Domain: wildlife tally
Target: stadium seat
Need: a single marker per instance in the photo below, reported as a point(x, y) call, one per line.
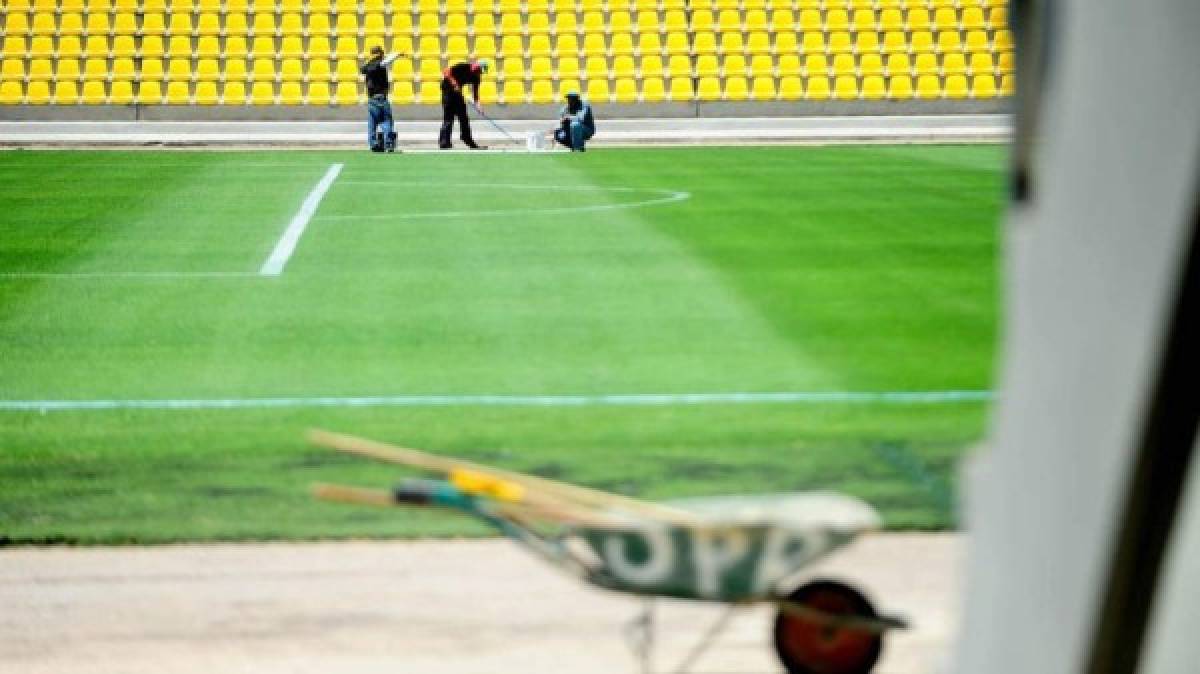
point(681, 66)
point(1005, 63)
point(1008, 85)
point(625, 90)
point(1003, 41)
point(235, 47)
point(815, 64)
point(956, 87)
point(899, 64)
point(347, 93)
point(928, 87)
point(945, 18)
point(677, 43)
point(262, 93)
point(705, 43)
point(542, 91)
point(290, 93)
point(11, 92)
point(900, 87)
point(947, 41)
point(972, 18)
point(37, 93)
point(997, 18)
point(206, 94)
point(151, 70)
point(149, 93)
point(95, 70)
point(874, 88)
point(925, 64)
point(121, 93)
point(836, 20)
point(870, 64)
point(790, 88)
point(709, 89)
point(291, 47)
point(123, 69)
point(653, 90)
point(813, 43)
point(736, 89)
point(817, 88)
point(922, 41)
point(845, 88)
point(734, 65)
point(597, 90)
point(983, 86)
point(763, 89)
point(291, 70)
point(682, 90)
point(891, 19)
point(954, 63)
point(982, 63)
point(843, 64)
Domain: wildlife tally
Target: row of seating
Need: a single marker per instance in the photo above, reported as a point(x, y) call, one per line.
point(508, 23)
point(624, 90)
point(477, 6)
point(760, 42)
point(346, 70)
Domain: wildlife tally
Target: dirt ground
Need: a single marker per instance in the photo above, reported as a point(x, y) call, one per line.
point(453, 607)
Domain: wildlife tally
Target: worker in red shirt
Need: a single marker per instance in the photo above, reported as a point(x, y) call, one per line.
point(454, 104)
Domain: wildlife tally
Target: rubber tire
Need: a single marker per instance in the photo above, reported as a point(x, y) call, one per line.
point(806, 647)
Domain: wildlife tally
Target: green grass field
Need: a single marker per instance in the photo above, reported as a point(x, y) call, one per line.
point(134, 276)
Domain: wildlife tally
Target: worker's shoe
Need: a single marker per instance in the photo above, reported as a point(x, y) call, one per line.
point(390, 146)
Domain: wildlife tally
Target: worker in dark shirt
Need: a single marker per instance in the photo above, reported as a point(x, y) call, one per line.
point(577, 124)
point(454, 104)
point(380, 135)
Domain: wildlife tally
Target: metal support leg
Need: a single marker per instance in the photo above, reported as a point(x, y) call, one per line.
point(639, 634)
point(705, 641)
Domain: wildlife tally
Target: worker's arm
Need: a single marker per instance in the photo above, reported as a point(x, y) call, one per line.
point(449, 74)
point(387, 60)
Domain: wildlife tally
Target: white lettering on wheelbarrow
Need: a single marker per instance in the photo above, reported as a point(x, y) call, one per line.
point(714, 553)
point(660, 558)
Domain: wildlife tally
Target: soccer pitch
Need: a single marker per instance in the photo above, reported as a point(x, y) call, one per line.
point(516, 309)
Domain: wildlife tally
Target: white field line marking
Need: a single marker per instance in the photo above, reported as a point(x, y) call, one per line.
point(487, 400)
point(127, 274)
point(291, 236)
point(669, 196)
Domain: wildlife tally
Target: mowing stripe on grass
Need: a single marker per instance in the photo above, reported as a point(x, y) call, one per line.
point(291, 236)
point(487, 400)
point(126, 274)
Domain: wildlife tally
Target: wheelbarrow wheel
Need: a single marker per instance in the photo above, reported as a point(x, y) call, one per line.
point(807, 645)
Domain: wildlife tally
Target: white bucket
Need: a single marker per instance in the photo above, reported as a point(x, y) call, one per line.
point(537, 141)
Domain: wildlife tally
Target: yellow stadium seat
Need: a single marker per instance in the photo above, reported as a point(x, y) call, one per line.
point(1003, 41)
point(123, 69)
point(262, 93)
point(430, 46)
point(235, 47)
point(651, 66)
point(593, 22)
point(789, 64)
point(402, 93)
point(44, 24)
point(291, 70)
point(208, 5)
point(542, 92)
point(1005, 63)
point(622, 43)
point(457, 24)
point(954, 63)
point(729, 20)
point(596, 67)
point(977, 41)
point(568, 66)
point(208, 24)
point(623, 66)
point(594, 43)
point(1008, 85)
point(291, 46)
point(207, 70)
point(983, 86)
point(208, 47)
point(922, 41)
point(681, 89)
point(947, 41)
point(845, 88)
point(925, 64)
point(956, 87)
point(179, 70)
point(736, 89)
point(763, 89)
point(67, 69)
point(513, 68)
point(263, 70)
point(181, 24)
point(564, 22)
point(538, 24)
point(318, 70)
point(96, 45)
point(233, 93)
point(347, 93)
point(928, 87)
point(731, 43)
point(178, 94)
point(891, 19)
point(918, 19)
point(734, 65)
point(289, 24)
point(566, 86)
point(817, 88)
point(647, 21)
point(339, 6)
point(179, 46)
point(37, 93)
point(681, 66)
point(677, 43)
point(510, 23)
point(843, 64)
point(709, 89)
point(837, 20)
point(12, 69)
point(997, 18)
point(761, 65)
point(785, 43)
point(702, 20)
point(810, 21)
point(154, 24)
point(564, 45)
point(235, 24)
point(402, 24)
point(898, 64)
point(815, 64)
point(123, 46)
point(97, 24)
point(290, 93)
point(758, 43)
point(982, 64)
point(782, 19)
point(430, 70)
point(235, 69)
point(69, 47)
point(539, 45)
point(619, 22)
point(756, 19)
point(95, 69)
point(456, 48)
point(625, 91)
point(16, 23)
point(38, 46)
point(121, 93)
point(813, 43)
point(653, 90)
point(873, 88)
point(345, 26)
point(945, 18)
point(790, 88)
point(870, 64)
point(401, 44)
point(972, 18)
point(346, 70)
point(41, 69)
point(152, 69)
point(864, 20)
point(501, 5)
point(206, 93)
point(900, 88)
point(149, 93)
point(94, 94)
point(597, 90)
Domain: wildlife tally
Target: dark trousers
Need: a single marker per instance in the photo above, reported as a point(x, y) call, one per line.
point(379, 116)
point(454, 105)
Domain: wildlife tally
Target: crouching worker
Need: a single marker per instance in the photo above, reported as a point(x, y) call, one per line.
point(380, 135)
point(578, 125)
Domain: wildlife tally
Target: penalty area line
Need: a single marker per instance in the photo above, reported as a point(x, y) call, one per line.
point(496, 400)
point(291, 236)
